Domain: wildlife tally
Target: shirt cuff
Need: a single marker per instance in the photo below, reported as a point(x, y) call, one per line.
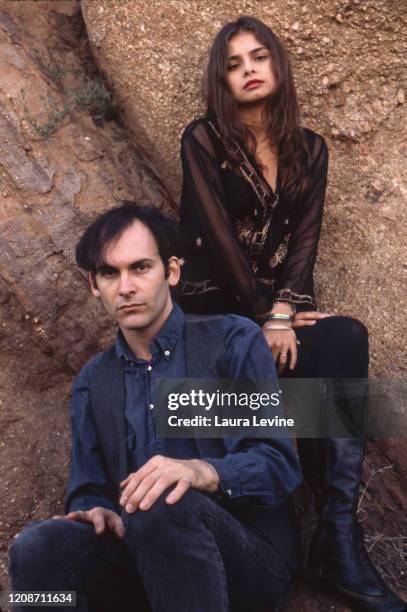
point(229, 479)
point(88, 502)
point(287, 295)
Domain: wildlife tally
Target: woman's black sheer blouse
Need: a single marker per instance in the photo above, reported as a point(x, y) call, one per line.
point(245, 246)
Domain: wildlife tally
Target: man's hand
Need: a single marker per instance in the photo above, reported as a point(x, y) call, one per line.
point(308, 317)
point(101, 518)
point(142, 488)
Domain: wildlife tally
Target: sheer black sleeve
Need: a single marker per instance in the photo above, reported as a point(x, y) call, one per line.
point(296, 280)
point(207, 226)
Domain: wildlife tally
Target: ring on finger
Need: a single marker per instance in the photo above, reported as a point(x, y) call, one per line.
point(283, 354)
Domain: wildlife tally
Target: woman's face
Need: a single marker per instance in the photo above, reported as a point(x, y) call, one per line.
point(249, 69)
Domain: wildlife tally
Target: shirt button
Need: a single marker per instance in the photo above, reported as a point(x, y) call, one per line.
point(149, 368)
point(151, 406)
point(167, 353)
point(229, 492)
point(286, 221)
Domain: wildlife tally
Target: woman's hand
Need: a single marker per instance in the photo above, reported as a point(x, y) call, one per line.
point(304, 319)
point(283, 345)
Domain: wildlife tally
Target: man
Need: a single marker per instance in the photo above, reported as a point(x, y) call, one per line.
point(203, 524)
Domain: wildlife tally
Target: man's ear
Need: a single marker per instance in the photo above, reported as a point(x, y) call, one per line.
point(93, 284)
point(174, 270)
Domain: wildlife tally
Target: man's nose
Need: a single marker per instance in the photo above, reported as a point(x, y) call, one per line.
point(127, 285)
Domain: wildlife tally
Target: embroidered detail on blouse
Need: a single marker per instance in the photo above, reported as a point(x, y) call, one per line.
point(248, 172)
point(252, 239)
point(253, 232)
point(250, 175)
point(280, 253)
point(197, 287)
point(286, 295)
point(267, 281)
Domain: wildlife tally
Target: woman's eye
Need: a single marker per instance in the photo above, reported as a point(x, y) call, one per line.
point(262, 57)
point(233, 66)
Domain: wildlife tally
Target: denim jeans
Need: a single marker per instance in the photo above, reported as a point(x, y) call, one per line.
point(193, 556)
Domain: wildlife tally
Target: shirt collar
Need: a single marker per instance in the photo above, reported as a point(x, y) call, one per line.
point(163, 342)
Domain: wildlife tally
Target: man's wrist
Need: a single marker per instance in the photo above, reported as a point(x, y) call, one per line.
point(211, 477)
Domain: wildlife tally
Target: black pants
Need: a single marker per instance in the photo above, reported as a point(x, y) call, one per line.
point(336, 347)
point(193, 556)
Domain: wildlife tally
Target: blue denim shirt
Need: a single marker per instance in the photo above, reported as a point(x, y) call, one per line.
point(265, 468)
point(167, 361)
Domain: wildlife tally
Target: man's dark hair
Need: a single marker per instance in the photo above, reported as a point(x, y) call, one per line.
point(109, 226)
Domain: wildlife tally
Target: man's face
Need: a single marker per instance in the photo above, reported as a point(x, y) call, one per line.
point(131, 282)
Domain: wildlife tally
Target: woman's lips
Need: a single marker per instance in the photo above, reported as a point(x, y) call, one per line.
point(252, 84)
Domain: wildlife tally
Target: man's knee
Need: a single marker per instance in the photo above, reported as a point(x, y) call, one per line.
point(158, 522)
point(42, 544)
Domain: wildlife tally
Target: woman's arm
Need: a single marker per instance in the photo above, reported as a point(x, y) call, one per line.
point(296, 281)
point(296, 288)
point(203, 199)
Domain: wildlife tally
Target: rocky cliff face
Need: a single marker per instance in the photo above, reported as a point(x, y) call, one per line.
point(73, 143)
point(64, 155)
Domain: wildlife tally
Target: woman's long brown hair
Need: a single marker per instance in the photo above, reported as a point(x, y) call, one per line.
point(282, 113)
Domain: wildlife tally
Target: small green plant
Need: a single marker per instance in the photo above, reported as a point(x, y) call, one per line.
point(55, 116)
point(49, 69)
point(95, 97)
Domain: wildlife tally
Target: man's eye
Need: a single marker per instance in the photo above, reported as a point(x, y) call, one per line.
point(108, 272)
point(142, 267)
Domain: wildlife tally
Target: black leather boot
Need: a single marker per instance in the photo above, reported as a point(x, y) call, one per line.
point(338, 559)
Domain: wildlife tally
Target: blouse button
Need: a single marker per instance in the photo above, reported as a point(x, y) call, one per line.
point(286, 221)
point(198, 241)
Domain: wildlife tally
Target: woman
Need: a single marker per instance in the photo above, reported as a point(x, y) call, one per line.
point(251, 209)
